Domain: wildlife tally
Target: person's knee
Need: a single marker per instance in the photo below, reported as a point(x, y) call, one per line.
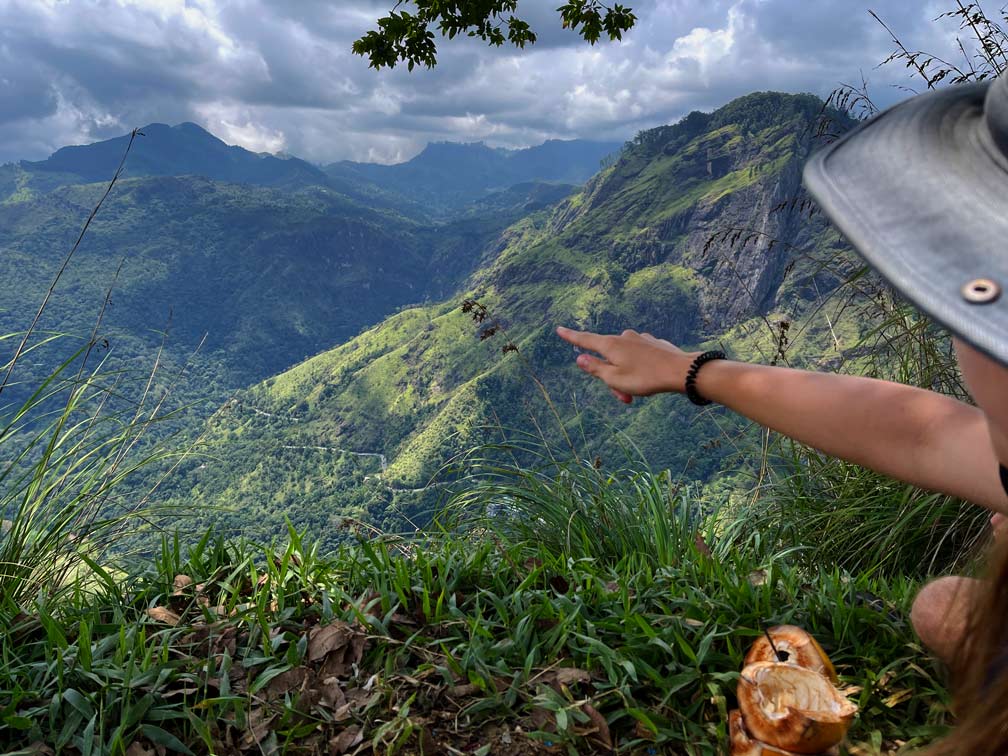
point(940, 614)
point(926, 614)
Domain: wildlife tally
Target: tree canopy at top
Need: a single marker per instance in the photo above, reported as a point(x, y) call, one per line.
point(405, 37)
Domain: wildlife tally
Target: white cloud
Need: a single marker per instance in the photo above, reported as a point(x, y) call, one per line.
point(235, 125)
point(276, 75)
point(706, 47)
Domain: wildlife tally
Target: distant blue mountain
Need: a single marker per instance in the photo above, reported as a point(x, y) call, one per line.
point(185, 149)
point(454, 175)
point(444, 180)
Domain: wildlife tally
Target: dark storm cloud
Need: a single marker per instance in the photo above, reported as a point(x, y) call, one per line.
point(279, 76)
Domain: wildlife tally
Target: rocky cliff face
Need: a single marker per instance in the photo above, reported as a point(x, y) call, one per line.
point(730, 176)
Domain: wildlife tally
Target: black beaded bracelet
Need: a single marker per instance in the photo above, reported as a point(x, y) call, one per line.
point(691, 375)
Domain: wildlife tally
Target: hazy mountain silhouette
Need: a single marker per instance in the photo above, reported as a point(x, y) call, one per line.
point(176, 151)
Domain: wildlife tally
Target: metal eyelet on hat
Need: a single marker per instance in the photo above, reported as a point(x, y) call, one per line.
point(981, 291)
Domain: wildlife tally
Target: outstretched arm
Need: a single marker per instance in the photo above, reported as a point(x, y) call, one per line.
point(916, 436)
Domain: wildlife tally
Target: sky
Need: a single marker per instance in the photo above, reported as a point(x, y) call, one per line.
point(278, 75)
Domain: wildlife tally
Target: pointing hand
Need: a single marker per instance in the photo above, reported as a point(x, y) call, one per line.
point(631, 364)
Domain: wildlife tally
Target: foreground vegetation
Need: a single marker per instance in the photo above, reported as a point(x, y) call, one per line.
point(453, 644)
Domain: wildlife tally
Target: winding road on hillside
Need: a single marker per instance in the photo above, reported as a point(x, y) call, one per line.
point(382, 459)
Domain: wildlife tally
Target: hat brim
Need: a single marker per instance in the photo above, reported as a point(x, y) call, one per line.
point(921, 192)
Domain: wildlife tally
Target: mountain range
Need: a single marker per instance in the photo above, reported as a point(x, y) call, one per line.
point(697, 232)
point(340, 372)
point(264, 256)
point(443, 180)
point(448, 175)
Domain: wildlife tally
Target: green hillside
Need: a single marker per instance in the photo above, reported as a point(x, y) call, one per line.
point(268, 275)
point(365, 429)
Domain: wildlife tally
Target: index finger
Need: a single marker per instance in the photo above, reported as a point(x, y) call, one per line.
point(583, 339)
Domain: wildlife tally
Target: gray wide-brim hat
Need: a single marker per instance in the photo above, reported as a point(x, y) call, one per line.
point(921, 191)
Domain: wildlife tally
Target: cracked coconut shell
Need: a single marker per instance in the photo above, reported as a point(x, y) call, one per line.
point(744, 744)
point(792, 708)
point(795, 646)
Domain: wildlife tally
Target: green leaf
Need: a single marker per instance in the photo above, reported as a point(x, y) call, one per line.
point(79, 702)
point(84, 645)
point(17, 722)
point(156, 735)
point(87, 737)
point(562, 720)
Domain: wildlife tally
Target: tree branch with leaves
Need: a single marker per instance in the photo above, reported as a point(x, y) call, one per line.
point(406, 34)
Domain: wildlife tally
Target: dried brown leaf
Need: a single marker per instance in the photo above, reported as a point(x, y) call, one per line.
point(357, 646)
point(287, 682)
point(331, 694)
point(239, 678)
point(339, 662)
point(259, 723)
point(324, 639)
point(897, 698)
point(559, 583)
point(701, 544)
point(570, 675)
point(181, 583)
point(643, 732)
point(543, 719)
point(166, 616)
point(564, 677)
point(349, 738)
point(359, 699)
point(602, 734)
point(215, 638)
point(428, 745)
point(184, 690)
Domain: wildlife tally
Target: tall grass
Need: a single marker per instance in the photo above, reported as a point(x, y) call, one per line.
point(575, 509)
point(66, 449)
point(834, 512)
